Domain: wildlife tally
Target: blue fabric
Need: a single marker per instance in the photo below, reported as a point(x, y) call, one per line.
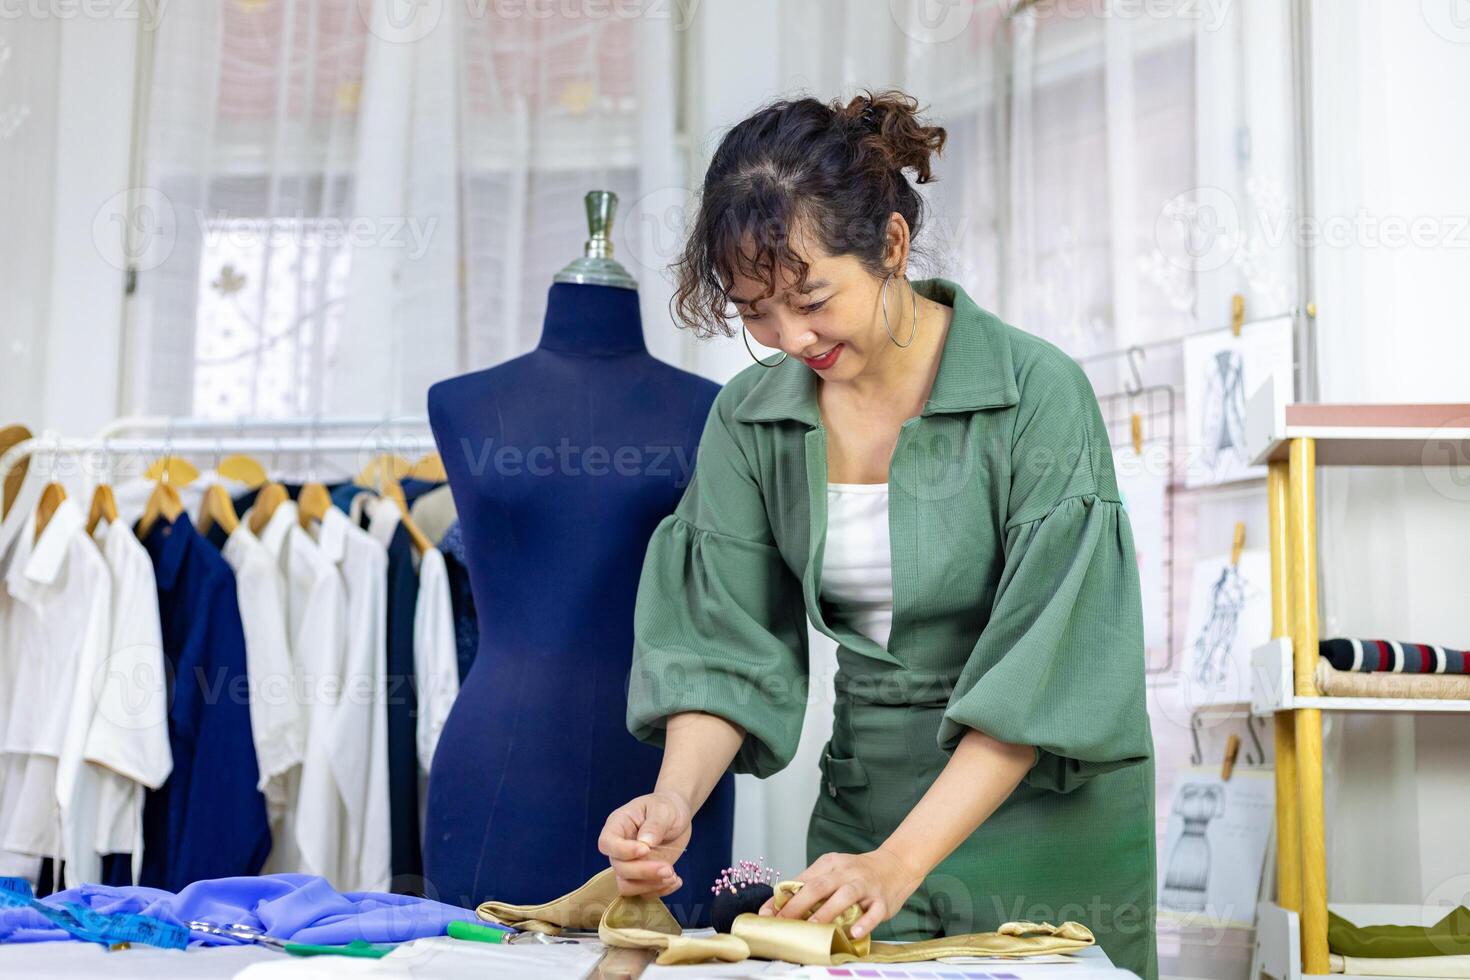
point(461, 600)
point(407, 860)
point(562, 462)
point(84, 923)
point(207, 820)
point(296, 907)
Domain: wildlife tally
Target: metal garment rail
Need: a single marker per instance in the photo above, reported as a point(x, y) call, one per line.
point(240, 426)
point(379, 434)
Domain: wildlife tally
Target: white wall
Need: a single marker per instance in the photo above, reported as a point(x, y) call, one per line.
point(1392, 136)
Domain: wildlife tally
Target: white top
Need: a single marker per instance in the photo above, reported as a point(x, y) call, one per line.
point(277, 722)
point(857, 569)
point(359, 744)
point(435, 657)
point(56, 638)
point(435, 660)
point(127, 743)
point(316, 620)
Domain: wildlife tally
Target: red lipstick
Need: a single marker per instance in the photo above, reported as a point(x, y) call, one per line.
point(825, 361)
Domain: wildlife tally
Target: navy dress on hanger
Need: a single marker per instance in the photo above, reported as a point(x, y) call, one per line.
point(561, 463)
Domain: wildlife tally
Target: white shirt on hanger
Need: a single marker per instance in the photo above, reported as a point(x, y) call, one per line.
point(435, 657)
point(308, 836)
point(58, 637)
point(359, 747)
point(306, 633)
point(12, 767)
point(277, 722)
point(128, 740)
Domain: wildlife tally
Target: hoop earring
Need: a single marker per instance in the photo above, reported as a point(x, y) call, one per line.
point(914, 297)
point(745, 337)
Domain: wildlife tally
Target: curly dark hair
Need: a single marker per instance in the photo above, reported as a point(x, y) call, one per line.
point(834, 170)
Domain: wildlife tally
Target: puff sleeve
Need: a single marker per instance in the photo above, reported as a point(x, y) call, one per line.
point(1060, 663)
point(720, 623)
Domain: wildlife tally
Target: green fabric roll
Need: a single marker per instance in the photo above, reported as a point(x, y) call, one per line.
point(1448, 936)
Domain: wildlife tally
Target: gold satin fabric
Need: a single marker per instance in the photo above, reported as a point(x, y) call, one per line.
point(644, 922)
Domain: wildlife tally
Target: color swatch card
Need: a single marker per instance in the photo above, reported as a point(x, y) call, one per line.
point(1030, 968)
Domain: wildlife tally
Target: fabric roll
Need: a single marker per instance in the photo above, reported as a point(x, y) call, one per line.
point(1449, 936)
point(644, 922)
point(1394, 656)
point(1335, 683)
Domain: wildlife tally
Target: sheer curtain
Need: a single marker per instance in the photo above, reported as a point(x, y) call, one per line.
point(29, 49)
point(364, 197)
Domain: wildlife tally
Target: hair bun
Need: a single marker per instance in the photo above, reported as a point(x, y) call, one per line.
point(889, 131)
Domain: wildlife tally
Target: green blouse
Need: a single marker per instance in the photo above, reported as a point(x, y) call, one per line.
point(1015, 586)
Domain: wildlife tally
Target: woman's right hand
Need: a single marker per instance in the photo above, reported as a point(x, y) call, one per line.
point(643, 838)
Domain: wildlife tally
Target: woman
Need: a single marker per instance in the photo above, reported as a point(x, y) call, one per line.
point(932, 488)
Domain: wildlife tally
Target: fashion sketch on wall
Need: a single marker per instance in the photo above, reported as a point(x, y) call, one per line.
point(1215, 850)
point(1229, 616)
point(1221, 372)
point(1187, 876)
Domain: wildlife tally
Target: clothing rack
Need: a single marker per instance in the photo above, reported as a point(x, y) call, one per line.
point(168, 424)
point(382, 435)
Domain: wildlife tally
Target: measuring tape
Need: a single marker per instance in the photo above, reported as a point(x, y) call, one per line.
point(95, 927)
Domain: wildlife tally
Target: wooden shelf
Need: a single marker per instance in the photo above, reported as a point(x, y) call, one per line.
point(1273, 690)
point(1352, 434)
point(1293, 440)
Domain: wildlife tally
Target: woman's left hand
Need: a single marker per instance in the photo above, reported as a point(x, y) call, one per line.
point(877, 881)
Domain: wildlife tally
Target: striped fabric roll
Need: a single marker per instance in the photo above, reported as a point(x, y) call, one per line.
point(1393, 656)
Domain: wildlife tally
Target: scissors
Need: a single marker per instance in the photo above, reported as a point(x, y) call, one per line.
point(237, 930)
point(250, 934)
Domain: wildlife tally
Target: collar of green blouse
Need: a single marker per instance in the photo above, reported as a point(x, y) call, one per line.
point(975, 368)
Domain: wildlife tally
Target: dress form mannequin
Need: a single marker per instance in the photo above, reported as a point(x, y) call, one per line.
point(561, 463)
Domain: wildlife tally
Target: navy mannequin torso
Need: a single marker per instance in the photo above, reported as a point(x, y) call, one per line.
point(561, 463)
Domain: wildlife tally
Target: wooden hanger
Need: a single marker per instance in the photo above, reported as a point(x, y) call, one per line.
point(217, 508)
point(430, 468)
point(171, 469)
point(312, 503)
point(383, 467)
point(13, 435)
point(51, 498)
point(163, 503)
point(246, 469)
point(104, 508)
point(271, 496)
point(393, 490)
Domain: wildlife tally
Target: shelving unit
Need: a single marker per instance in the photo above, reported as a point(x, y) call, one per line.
point(1292, 440)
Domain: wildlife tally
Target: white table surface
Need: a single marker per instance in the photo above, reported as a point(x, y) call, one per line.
point(424, 959)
